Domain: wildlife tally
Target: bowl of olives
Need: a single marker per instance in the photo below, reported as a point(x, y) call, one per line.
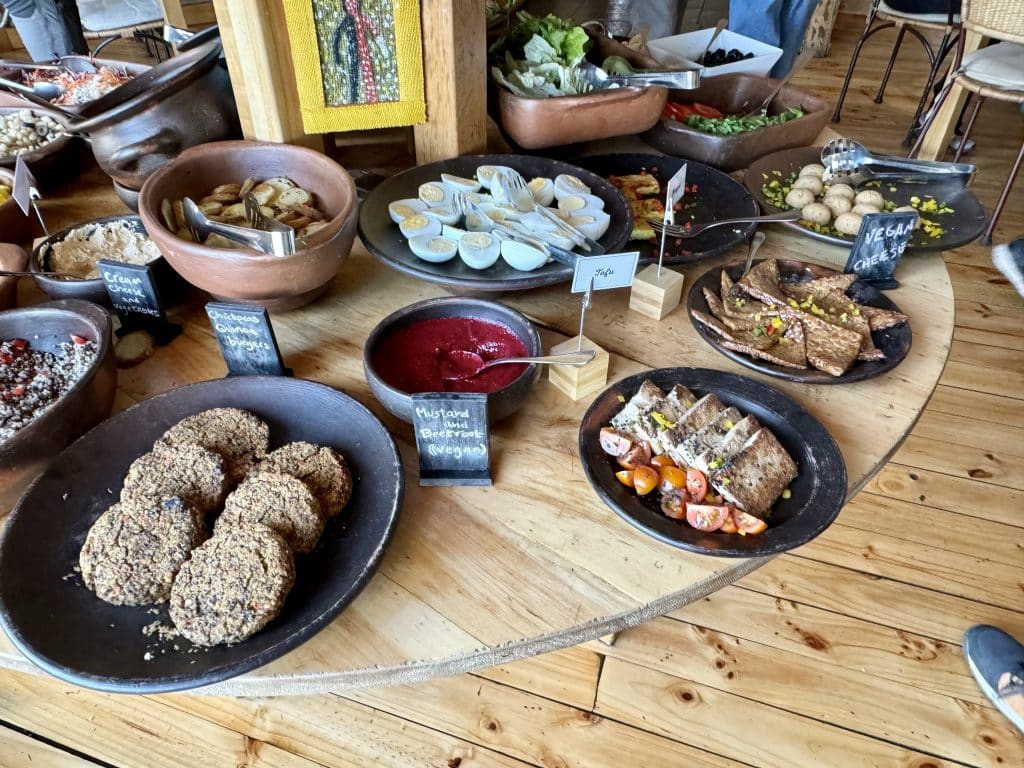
point(732, 53)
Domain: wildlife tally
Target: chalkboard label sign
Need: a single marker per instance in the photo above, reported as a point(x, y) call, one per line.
point(609, 270)
point(452, 438)
point(879, 245)
point(133, 292)
point(246, 340)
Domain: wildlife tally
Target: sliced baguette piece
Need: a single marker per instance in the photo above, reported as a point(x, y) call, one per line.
point(756, 476)
point(734, 440)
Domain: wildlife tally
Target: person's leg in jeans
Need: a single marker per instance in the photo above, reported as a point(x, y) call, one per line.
point(781, 23)
point(47, 28)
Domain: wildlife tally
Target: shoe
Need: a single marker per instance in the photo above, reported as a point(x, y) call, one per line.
point(1009, 259)
point(997, 663)
point(954, 144)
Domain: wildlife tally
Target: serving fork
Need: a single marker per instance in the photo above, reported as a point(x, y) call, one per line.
point(675, 230)
point(518, 193)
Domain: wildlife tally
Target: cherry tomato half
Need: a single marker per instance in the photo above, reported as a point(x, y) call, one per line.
point(663, 460)
point(706, 517)
point(625, 476)
point(673, 504)
point(704, 110)
point(614, 443)
point(638, 455)
point(697, 485)
point(729, 526)
point(645, 479)
point(747, 523)
point(672, 478)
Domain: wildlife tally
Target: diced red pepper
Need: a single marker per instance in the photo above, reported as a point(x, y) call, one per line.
point(79, 340)
point(19, 343)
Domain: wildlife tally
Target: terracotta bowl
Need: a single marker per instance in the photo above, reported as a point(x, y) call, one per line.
point(90, 400)
point(92, 289)
point(560, 120)
point(500, 404)
point(243, 275)
point(54, 162)
point(15, 227)
point(732, 94)
point(14, 258)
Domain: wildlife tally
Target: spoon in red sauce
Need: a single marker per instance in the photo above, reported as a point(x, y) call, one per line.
point(461, 364)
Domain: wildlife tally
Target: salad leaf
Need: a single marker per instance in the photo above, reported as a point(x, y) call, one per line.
point(539, 51)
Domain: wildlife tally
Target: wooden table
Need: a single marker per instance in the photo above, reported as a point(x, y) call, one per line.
point(480, 576)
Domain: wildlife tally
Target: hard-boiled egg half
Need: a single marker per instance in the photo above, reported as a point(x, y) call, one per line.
point(543, 190)
point(573, 203)
point(461, 183)
point(436, 194)
point(403, 209)
point(479, 250)
point(487, 175)
point(419, 224)
point(444, 215)
point(567, 184)
point(591, 222)
point(521, 256)
point(433, 248)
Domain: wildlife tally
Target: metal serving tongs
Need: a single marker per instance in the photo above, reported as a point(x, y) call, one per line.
point(263, 234)
point(515, 189)
point(681, 79)
point(851, 162)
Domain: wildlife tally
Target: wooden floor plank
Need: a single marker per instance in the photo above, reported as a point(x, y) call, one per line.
point(946, 492)
point(843, 696)
point(996, 358)
point(129, 730)
point(339, 733)
point(20, 751)
point(982, 284)
point(987, 338)
point(891, 604)
point(981, 379)
point(963, 430)
point(530, 728)
point(978, 405)
point(737, 727)
point(960, 461)
point(844, 641)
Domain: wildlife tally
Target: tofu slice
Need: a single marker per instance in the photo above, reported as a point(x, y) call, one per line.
point(756, 476)
point(710, 436)
point(703, 412)
point(731, 444)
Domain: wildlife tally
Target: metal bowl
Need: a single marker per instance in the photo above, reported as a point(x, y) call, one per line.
point(500, 404)
point(89, 401)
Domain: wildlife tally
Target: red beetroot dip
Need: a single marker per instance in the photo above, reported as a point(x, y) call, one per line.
point(415, 358)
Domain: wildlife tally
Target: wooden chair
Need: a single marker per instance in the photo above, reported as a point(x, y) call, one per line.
point(141, 19)
point(996, 72)
point(882, 16)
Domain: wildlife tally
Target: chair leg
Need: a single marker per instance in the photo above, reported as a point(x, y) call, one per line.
point(936, 60)
point(892, 61)
point(986, 239)
point(868, 32)
point(968, 128)
point(932, 113)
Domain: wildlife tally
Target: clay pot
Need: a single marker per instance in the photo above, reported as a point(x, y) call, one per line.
point(88, 402)
point(244, 275)
point(56, 161)
point(14, 258)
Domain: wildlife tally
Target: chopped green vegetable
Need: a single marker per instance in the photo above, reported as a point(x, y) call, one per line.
point(731, 124)
point(539, 56)
point(616, 65)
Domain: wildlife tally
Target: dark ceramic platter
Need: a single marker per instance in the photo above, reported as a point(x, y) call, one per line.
point(718, 197)
point(964, 225)
point(818, 492)
point(382, 238)
point(69, 632)
point(894, 342)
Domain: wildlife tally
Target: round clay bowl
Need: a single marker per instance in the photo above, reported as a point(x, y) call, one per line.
point(14, 258)
point(89, 401)
point(52, 163)
point(15, 227)
point(500, 404)
point(243, 275)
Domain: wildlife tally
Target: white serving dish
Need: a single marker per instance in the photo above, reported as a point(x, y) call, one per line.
point(686, 49)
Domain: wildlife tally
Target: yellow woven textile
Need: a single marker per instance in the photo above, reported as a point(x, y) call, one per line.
point(358, 63)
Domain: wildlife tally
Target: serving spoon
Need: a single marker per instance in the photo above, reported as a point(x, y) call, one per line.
point(722, 24)
point(44, 90)
point(461, 364)
point(57, 275)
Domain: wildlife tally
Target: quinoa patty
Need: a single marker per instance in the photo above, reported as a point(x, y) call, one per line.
point(323, 469)
point(282, 503)
point(189, 471)
point(239, 437)
point(133, 551)
point(233, 585)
